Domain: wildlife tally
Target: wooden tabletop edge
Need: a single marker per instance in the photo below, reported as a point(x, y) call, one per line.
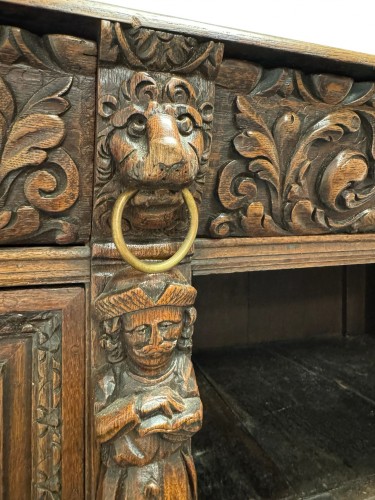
point(89, 8)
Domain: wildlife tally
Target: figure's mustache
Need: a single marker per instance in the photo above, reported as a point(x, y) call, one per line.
point(164, 347)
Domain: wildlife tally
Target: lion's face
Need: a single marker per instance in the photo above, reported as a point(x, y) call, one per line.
point(158, 145)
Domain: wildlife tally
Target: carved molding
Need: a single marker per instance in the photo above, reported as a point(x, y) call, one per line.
point(146, 49)
point(40, 128)
point(147, 403)
point(304, 157)
point(45, 329)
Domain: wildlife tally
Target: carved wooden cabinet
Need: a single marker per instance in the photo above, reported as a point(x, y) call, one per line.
point(118, 126)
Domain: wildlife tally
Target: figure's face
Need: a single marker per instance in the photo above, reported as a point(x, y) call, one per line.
point(151, 335)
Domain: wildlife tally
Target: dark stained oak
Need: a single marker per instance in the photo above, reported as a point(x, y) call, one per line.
point(44, 266)
point(239, 43)
point(147, 404)
point(275, 140)
point(308, 406)
point(46, 137)
point(295, 159)
point(257, 254)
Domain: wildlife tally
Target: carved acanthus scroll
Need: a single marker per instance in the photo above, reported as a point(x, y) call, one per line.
point(305, 157)
point(154, 129)
point(41, 170)
point(147, 401)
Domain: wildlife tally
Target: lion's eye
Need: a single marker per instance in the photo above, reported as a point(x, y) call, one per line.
point(136, 125)
point(185, 124)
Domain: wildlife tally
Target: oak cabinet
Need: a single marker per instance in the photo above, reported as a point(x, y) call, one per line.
point(270, 141)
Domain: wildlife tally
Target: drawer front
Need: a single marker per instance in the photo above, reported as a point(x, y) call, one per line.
point(42, 393)
point(47, 102)
point(292, 154)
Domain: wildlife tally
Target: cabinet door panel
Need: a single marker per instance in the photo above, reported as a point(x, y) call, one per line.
point(42, 393)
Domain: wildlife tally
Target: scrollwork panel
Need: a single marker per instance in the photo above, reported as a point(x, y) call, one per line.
point(46, 135)
point(301, 155)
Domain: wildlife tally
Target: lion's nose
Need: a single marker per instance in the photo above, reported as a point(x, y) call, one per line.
point(165, 148)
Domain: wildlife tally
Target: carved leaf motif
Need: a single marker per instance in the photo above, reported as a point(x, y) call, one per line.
point(49, 98)
point(36, 131)
point(38, 128)
point(257, 223)
point(369, 116)
point(360, 93)
point(298, 203)
point(244, 188)
point(346, 170)
point(31, 48)
point(29, 138)
point(305, 218)
point(144, 48)
point(42, 182)
point(331, 128)
point(24, 221)
point(272, 82)
point(6, 111)
point(256, 143)
point(331, 89)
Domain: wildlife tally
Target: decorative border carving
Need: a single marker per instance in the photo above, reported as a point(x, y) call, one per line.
point(143, 48)
point(45, 329)
point(307, 165)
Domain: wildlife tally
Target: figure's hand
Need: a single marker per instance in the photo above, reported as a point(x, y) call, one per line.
point(185, 421)
point(161, 399)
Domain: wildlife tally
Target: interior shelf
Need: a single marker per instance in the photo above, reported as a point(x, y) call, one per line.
point(288, 420)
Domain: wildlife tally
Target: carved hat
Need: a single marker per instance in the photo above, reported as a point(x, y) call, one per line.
point(131, 290)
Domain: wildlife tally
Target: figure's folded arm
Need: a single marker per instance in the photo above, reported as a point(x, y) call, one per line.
point(121, 414)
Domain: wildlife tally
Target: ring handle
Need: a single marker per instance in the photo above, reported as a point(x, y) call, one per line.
point(141, 265)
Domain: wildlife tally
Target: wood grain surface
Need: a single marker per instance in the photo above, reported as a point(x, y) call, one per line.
point(44, 266)
point(46, 137)
point(309, 408)
point(239, 43)
point(41, 349)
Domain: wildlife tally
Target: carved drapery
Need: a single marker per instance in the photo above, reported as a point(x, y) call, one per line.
point(303, 156)
point(46, 94)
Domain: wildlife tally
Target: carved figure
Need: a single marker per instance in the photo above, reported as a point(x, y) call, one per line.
point(147, 400)
point(157, 140)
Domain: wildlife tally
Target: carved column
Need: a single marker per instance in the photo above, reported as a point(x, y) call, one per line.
point(155, 113)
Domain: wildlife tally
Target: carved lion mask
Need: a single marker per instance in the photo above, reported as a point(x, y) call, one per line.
point(158, 142)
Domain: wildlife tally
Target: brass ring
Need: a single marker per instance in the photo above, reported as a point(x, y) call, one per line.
point(144, 266)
